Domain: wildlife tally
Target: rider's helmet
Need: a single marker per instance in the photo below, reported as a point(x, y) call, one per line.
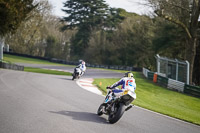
point(80, 61)
point(83, 62)
point(128, 74)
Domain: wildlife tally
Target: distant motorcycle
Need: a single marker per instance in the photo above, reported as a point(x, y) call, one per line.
point(116, 106)
point(76, 74)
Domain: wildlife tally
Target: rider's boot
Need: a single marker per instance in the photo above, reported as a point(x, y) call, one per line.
point(129, 107)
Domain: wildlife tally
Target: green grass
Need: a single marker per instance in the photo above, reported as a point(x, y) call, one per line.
point(46, 71)
point(159, 99)
point(20, 59)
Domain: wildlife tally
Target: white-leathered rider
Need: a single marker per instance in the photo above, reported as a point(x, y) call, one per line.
point(82, 67)
point(127, 83)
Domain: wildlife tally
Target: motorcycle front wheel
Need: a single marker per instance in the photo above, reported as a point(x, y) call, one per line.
point(117, 114)
point(73, 77)
point(100, 110)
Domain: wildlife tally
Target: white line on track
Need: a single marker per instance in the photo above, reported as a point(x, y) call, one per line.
point(87, 85)
point(57, 70)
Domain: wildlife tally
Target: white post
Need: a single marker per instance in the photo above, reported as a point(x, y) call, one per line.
point(188, 72)
point(176, 69)
point(1, 48)
point(158, 63)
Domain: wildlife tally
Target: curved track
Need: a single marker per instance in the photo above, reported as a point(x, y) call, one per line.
point(41, 103)
point(90, 73)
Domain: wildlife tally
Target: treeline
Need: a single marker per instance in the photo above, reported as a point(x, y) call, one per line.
point(39, 35)
point(117, 38)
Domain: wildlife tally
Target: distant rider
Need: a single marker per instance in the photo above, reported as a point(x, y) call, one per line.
point(82, 67)
point(127, 82)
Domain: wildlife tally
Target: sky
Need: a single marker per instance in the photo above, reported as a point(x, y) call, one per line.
point(128, 5)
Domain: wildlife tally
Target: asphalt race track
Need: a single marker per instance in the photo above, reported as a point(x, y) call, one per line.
point(42, 103)
point(90, 73)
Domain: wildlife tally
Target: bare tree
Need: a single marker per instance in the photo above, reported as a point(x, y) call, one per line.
point(12, 14)
point(184, 13)
point(31, 31)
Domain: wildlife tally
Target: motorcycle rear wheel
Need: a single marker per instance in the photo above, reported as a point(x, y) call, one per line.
point(119, 111)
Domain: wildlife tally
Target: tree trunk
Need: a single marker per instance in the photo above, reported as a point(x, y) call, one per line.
point(190, 56)
point(196, 70)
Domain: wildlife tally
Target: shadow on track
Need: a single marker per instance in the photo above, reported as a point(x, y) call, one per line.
point(82, 116)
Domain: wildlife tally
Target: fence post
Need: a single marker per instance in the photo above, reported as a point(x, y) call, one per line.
point(176, 69)
point(158, 63)
point(188, 72)
point(1, 48)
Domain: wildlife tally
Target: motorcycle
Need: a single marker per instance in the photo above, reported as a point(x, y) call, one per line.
point(76, 74)
point(115, 107)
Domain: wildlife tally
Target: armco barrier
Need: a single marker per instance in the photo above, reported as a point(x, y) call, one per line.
point(150, 75)
point(162, 81)
point(145, 72)
point(176, 85)
point(192, 90)
point(172, 84)
point(11, 66)
point(166, 82)
point(25, 55)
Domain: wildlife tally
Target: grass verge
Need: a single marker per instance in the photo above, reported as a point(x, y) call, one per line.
point(46, 71)
point(161, 100)
point(20, 59)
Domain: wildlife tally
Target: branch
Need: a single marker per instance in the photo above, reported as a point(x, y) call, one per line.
point(195, 14)
point(175, 21)
point(175, 5)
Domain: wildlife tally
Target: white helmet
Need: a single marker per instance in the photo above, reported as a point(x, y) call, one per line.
point(128, 74)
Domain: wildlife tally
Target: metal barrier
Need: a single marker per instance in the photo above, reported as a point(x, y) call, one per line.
point(162, 81)
point(11, 66)
point(192, 90)
point(176, 85)
point(150, 75)
point(145, 72)
point(171, 84)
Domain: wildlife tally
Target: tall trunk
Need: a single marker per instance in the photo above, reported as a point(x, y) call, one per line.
point(194, 25)
point(190, 56)
point(196, 71)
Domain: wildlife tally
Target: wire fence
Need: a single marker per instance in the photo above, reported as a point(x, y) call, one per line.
point(173, 68)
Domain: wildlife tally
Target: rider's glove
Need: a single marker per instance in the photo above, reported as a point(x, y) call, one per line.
point(108, 87)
